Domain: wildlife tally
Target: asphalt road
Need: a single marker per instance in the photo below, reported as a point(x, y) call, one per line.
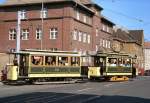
point(136, 91)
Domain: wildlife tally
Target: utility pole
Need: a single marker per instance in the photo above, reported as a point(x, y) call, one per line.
point(42, 25)
point(18, 31)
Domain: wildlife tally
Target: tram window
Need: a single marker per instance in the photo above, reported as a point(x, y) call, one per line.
point(63, 61)
point(50, 60)
point(127, 63)
point(112, 62)
point(37, 60)
point(15, 62)
point(23, 60)
point(120, 62)
point(96, 61)
point(75, 61)
point(101, 62)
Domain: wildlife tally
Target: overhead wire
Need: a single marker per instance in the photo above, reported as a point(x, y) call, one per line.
point(145, 23)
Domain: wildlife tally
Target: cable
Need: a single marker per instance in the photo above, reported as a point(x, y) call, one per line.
point(145, 23)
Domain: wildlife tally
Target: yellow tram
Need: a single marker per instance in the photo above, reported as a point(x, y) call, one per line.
point(111, 66)
point(37, 65)
point(43, 66)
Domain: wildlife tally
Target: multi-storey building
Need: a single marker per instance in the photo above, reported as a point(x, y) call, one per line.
point(66, 25)
point(131, 42)
point(105, 39)
point(147, 55)
point(72, 25)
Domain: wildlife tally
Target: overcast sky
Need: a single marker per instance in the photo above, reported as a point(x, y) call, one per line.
point(131, 14)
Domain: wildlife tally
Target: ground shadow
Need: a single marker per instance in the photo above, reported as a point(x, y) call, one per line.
point(52, 97)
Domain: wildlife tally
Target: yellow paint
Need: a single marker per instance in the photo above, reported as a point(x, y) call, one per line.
point(115, 78)
point(94, 72)
point(12, 73)
point(54, 75)
point(115, 74)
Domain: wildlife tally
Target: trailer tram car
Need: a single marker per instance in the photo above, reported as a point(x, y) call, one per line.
point(111, 66)
point(36, 65)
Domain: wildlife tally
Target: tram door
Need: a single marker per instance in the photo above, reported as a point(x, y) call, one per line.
point(97, 61)
point(24, 65)
point(100, 62)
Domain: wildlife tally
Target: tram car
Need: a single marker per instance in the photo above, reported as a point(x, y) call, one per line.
point(111, 66)
point(36, 65)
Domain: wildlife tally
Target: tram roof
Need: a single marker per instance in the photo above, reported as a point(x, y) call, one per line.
point(112, 54)
point(48, 52)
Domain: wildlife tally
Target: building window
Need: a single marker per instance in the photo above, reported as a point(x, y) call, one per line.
point(44, 13)
point(80, 36)
point(53, 49)
point(96, 32)
point(108, 44)
point(53, 33)
point(90, 20)
point(25, 34)
point(23, 14)
point(12, 34)
point(103, 27)
point(96, 47)
point(107, 29)
point(38, 34)
point(84, 37)
point(78, 15)
point(103, 43)
point(84, 19)
point(75, 35)
point(96, 12)
point(89, 39)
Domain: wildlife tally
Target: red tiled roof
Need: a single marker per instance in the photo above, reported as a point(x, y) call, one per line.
point(147, 45)
point(130, 36)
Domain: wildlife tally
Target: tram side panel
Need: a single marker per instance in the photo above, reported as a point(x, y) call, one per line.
point(44, 66)
point(12, 72)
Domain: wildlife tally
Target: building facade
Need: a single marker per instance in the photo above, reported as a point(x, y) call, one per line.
point(147, 55)
point(131, 42)
point(67, 25)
